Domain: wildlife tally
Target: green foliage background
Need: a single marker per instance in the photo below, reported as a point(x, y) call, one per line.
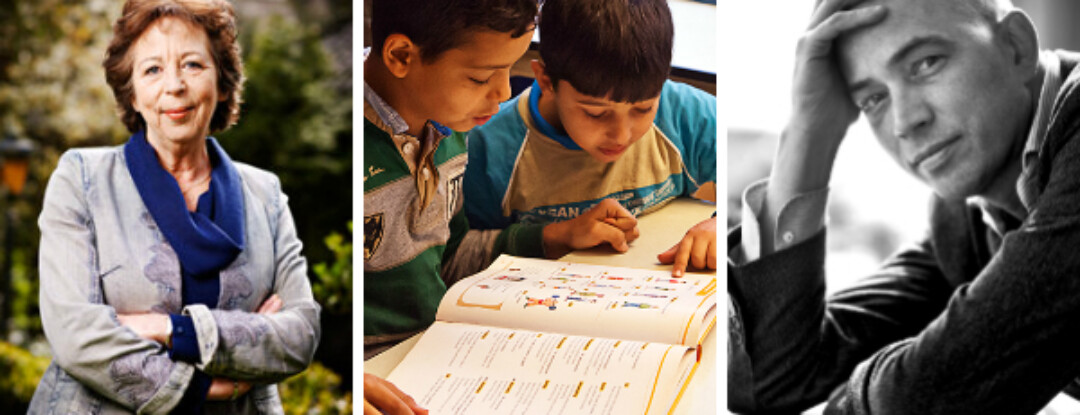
point(295, 122)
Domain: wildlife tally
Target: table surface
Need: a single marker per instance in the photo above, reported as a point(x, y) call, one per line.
point(659, 231)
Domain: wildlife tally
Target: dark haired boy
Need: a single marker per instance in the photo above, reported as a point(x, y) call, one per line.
point(601, 122)
point(436, 68)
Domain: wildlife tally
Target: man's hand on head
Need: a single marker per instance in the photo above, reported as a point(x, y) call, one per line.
point(822, 109)
point(607, 222)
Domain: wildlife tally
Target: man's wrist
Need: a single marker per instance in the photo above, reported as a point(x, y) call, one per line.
point(823, 137)
point(803, 163)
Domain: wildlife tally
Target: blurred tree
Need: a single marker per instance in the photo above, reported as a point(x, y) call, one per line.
point(332, 288)
point(26, 320)
point(52, 91)
point(332, 15)
point(21, 373)
point(52, 86)
point(315, 391)
point(296, 121)
point(295, 124)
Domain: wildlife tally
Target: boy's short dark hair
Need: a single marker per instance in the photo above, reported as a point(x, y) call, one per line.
point(619, 49)
point(440, 25)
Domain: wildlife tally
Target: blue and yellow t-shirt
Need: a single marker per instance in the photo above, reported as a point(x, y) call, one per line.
point(521, 170)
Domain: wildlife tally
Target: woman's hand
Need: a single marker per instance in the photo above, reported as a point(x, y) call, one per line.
point(271, 305)
point(155, 326)
point(698, 248)
point(150, 326)
point(223, 389)
point(382, 397)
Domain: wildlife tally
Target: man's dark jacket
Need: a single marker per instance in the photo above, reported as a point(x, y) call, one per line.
point(962, 322)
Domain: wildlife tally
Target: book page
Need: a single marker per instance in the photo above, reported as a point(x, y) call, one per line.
point(582, 299)
point(466, 369)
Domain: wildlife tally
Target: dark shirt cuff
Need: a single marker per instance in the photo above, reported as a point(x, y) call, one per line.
point(521, 240)
point(195, 395)
point(185, 342)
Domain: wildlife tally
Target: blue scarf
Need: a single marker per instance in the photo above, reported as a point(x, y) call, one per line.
point(207, 240)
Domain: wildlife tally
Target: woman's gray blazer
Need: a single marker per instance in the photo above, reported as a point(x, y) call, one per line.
point(102, 254)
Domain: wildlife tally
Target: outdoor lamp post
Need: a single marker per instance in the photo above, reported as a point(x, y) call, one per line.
point(14, 166)
point(15, 156)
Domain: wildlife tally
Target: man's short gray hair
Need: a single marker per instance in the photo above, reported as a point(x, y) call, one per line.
point(992, 10)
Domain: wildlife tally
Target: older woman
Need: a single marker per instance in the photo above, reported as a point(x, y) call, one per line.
point(171, 276)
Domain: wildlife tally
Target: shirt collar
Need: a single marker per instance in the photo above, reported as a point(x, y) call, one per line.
point(997, 219)
point(541, 124)
point(387, 114)
point(1051, 66)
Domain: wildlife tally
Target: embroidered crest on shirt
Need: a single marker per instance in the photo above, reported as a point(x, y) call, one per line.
point(372, 171)
point(373, 234)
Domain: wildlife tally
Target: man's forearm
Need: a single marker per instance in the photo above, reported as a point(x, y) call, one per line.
point(799, 168)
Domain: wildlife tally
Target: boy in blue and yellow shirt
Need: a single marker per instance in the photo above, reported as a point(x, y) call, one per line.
point(601, 122)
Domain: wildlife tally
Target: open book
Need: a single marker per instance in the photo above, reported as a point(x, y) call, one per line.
point(533, 336)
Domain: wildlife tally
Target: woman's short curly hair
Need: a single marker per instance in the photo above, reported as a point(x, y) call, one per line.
point(215, 16)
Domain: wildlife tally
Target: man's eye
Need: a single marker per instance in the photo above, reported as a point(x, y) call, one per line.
point(927, 65)
point(597, 116)
point(871, 102)
point(480, 82)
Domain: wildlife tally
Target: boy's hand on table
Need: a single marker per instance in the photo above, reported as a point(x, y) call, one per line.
point(698, 248)
point(608, 221)
point(382, 397)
